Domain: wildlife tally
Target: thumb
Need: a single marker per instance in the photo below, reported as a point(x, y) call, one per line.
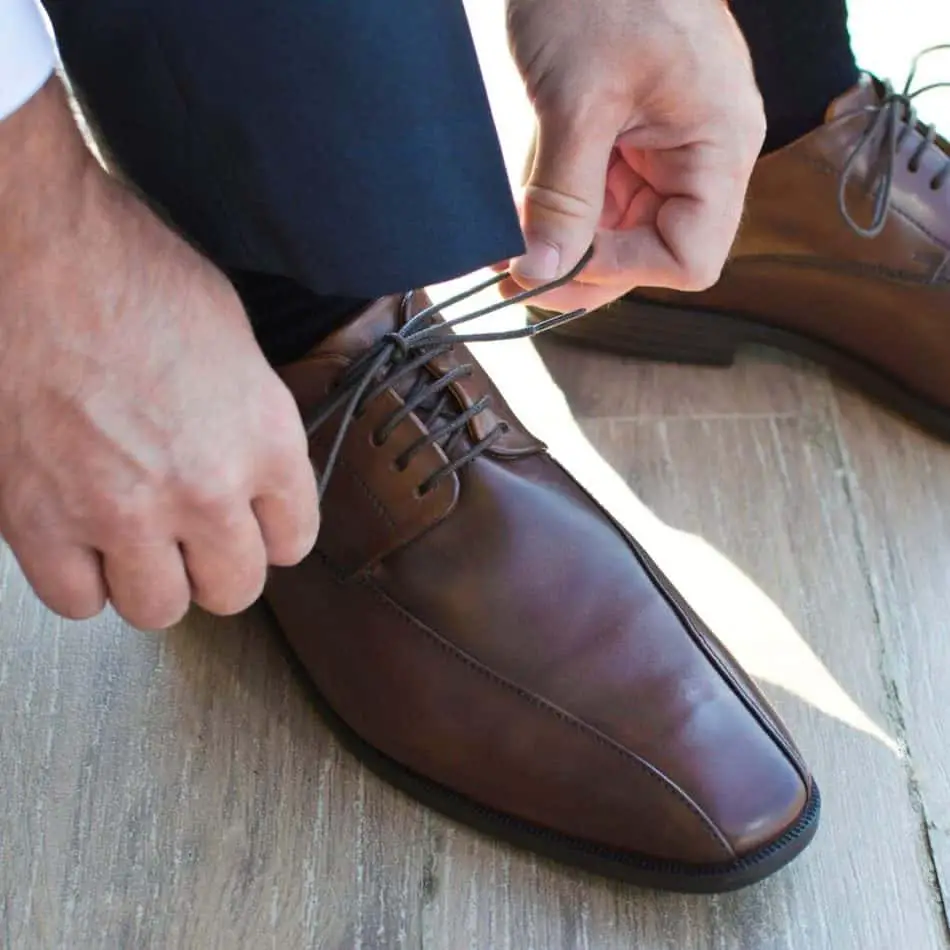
point(563, 199)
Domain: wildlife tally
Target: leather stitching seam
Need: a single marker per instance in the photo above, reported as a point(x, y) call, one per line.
point(826, 168)
point(933, 237)
point(694, 626)
point(850, 268)
point(544, 705)
point(370, 494)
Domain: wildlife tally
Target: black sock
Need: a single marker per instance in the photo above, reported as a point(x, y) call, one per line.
point(802, 55)
point(289, 320)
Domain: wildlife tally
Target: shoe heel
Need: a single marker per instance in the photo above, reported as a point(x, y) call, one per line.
point(658, 333)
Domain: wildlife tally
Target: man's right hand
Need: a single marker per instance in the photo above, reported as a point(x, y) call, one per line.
point(148, 453)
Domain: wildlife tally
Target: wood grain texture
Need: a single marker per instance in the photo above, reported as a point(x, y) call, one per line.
point(900, 482)
point(761, 383)
point(178, 791)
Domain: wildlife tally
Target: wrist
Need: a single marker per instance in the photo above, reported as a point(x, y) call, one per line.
point(46, 170)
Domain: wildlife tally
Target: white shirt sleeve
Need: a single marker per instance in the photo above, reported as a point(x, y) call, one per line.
point(27, 53)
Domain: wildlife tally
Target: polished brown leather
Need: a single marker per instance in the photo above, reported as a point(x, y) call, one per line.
point(502, 637)
point(797, 264)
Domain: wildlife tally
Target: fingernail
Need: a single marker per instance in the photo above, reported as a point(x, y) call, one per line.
point(540, 263)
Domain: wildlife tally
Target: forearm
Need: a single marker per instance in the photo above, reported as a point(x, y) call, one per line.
point(44, 163)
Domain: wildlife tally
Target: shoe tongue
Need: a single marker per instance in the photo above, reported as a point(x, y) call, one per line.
point(366, 328)
point(865, 92)
point(369, 326)
point(350, 341)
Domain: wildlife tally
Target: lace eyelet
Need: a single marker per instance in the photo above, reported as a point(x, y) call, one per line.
point(913, 167)
point(420, 491)
point(375, 441)
point(398, 465)
point(935, 185)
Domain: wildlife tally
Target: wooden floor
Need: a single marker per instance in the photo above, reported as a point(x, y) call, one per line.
point(178, 791)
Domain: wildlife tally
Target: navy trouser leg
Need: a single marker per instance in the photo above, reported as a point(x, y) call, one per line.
point(345, 146)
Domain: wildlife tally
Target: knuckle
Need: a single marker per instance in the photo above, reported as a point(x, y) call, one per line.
point(129, 515)
point(575, 109)
point(274, 401)
point(752, 140)
point(700, 281)
point(216, 493)
point(72, 595)
point(156, 610)
point(750, 129)
point(28, 521)
point(283, 426)
point(245, 588)
point(555, 202)
point(289, 522)
point(286, 552)
point(77, 603)
point(701, 275)
point(66, 581)
point(289, 464)
point(282, 406)
point(25, 513)
point(558, 104)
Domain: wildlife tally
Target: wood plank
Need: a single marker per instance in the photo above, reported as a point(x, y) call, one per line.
point(900, 480)
point(762, 382)
point(179, 791)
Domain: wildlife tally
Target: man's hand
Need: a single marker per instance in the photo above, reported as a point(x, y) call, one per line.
point(148, 453)
point(649, 125)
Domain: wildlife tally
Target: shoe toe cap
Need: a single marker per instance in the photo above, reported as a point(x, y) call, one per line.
point(721, 789)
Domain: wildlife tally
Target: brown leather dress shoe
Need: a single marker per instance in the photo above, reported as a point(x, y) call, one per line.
point(483, 635)
point(843, 257)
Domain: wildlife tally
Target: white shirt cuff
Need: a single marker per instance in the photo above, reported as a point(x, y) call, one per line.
point(27, 53)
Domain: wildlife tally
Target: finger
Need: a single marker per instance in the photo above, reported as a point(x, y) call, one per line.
point(288, 512)
point(564, 196)
point(597, 284)
point(573, 296)
point(687, 246)
point(684, 248)
point(66, 577)
point(226, 563)
point(147, 584)
point(683, 244)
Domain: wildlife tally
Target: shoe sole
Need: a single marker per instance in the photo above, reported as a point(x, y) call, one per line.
point(629, 867)
point(668, 333)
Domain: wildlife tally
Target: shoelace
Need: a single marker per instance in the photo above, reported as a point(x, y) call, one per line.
point(894, 119)
point(406, 351)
